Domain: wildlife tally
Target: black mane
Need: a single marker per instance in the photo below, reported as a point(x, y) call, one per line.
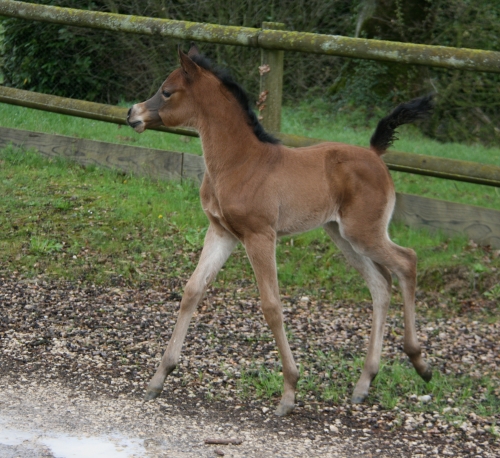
point(241, 96)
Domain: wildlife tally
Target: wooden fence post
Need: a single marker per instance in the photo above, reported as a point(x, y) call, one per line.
point(271, 84)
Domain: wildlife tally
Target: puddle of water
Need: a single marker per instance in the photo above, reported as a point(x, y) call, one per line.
point(67, 446)
point(13, 436)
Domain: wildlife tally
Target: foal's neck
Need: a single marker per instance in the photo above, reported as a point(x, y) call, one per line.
point(227, 138)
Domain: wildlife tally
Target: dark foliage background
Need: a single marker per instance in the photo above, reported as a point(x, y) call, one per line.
point(109, 67)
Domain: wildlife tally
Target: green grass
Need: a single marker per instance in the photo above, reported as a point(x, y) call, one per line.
point(63, 220)
point(53, 123)
point(396, 387)
point(60, 217)
point(354, 126)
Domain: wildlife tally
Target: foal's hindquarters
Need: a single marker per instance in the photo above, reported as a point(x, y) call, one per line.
point(362, 200)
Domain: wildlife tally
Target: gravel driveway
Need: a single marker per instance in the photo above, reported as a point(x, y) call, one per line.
point(54, 417)
point(74, 360)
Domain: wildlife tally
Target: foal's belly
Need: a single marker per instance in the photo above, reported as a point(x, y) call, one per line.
point(303, 222)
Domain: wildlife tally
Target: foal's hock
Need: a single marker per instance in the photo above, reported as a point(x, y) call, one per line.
point(256, 190)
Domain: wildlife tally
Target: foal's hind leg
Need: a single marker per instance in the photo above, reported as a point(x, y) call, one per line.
point(402, 262)
point(218, 246)
point(378, 279)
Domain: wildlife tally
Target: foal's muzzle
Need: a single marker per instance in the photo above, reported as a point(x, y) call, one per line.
point(137, 123)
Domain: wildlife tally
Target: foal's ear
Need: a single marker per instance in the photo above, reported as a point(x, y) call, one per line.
point(193, 50)
point(189, 67)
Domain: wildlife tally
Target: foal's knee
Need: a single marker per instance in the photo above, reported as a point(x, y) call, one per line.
point(192, 294)
point(272, 312)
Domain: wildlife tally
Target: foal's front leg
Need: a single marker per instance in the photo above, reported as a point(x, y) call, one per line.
point(218, 246)
point(261, 250)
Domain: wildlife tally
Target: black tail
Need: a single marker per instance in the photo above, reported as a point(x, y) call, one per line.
point(406, 113)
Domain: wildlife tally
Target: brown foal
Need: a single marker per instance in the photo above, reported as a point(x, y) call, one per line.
point(256, 190)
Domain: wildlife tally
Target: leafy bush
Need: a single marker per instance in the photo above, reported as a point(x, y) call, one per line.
point(104, 66)
point(57, 59)
point(467, 102)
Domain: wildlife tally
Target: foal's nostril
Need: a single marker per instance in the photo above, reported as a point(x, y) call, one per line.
point(133, 123)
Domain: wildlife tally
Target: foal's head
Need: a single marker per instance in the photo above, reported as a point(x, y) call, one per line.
point(182, 96)
point(174, 103)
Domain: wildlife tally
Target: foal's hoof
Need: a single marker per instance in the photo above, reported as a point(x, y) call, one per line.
point(427, 374)
point(358, 398)
point(152, 393)
point(284, 409)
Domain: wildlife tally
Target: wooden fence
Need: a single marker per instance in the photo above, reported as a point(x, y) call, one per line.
point(419, 164)
point(481, 225)
point(270, 38)
point(408, 53)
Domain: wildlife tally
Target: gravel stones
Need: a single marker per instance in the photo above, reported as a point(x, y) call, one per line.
point(101, 345)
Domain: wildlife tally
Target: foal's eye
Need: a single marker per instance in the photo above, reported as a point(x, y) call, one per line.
point(166, 94)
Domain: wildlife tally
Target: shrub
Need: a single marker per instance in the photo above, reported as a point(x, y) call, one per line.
point(57, 59)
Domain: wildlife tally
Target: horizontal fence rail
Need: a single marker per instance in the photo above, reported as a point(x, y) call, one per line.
point(405, 162)
point(75, 107)
point(408, 53)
